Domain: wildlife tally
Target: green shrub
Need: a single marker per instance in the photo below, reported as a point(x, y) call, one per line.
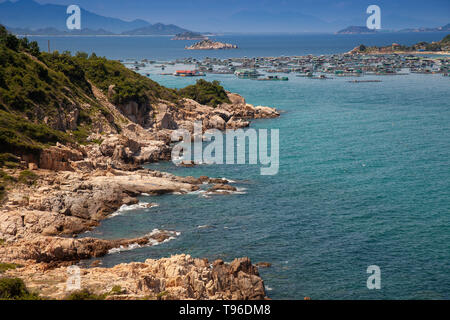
point(28, 177)
point(204, 92)
point(7, 266)
point(162, 294)
point(116, 290)
point(84, 294)
point(15, 289)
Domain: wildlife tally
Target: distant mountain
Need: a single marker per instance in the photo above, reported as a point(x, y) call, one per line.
point(356, 30)
point(55, 32)
point(438, 46)
point(189, 36)
point(365, 30)
point(156, 29)
point(30, 17)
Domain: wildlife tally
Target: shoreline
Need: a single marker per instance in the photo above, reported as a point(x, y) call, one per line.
point(76, 188)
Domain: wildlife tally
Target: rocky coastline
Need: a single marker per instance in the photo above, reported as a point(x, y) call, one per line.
point(75, 187)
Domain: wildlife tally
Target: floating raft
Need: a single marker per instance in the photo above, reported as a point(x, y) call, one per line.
point(359, 81)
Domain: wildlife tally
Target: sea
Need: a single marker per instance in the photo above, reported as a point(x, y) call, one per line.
point(364, 176)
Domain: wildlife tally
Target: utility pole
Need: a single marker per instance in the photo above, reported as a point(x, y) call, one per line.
point(48, 43)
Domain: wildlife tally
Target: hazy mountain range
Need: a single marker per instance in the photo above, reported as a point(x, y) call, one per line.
point(29, 17)
point(365, 30)
point(237, 16)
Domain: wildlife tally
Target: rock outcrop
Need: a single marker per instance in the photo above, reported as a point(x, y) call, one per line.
point(211, 45)
point(177, 277)
point(77, 186)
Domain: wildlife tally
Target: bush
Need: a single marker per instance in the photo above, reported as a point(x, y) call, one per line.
point(204, 92)
point(15, 289)
point(84, 295)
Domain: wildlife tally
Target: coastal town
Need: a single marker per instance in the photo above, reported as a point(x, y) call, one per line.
point(351, 64)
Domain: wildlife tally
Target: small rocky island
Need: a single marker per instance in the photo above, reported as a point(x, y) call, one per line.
point(211, 45)
point(189, 35)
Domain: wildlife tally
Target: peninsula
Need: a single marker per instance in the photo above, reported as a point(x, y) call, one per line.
point(211, 45)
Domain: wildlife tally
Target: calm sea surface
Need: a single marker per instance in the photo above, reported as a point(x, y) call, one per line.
point(162, 48)
point(364, 177)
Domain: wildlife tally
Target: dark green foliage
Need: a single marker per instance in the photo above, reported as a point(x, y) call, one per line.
point(15, 289)
point(66, 64)
point(84, 295)
point(8, 266)
point(5, 179)
point(204, 92)
point(19, 136)
point(2, 191)
point(128, 85)
point(9, 160)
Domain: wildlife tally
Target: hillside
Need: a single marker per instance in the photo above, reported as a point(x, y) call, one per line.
point(48, 98)
point(57, 109)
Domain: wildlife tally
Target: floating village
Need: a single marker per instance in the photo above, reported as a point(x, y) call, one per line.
point(314, 67)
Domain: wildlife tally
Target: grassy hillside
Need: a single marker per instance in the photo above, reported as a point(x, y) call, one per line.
point(47, 98)
point(40, 93)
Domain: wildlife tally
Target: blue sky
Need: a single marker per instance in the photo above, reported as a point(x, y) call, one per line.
point(270, 15)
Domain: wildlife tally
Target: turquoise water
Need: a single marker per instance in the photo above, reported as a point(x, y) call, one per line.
point(364, 177)
point(364, 180)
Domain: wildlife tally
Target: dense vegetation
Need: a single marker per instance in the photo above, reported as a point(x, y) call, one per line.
point(84, 294)
point(442, 45)
point(204, 92)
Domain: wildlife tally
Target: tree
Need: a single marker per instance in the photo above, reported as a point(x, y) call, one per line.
point(12, 42)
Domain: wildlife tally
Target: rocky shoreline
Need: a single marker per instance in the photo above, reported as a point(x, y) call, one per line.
point(75, 187)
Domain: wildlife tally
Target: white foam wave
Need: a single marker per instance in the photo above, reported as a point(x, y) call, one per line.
point(125, 208)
